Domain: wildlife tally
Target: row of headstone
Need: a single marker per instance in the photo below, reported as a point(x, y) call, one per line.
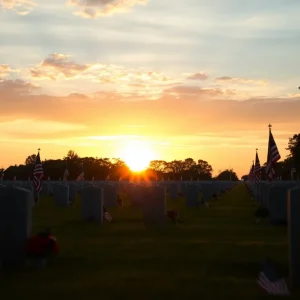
point(15, 225)
point(273, 196)
point(16, 208)
point(282, 198)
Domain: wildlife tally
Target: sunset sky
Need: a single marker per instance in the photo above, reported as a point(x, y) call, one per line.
point(175, 79)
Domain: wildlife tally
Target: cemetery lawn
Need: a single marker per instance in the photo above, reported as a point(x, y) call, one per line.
point(215, 254)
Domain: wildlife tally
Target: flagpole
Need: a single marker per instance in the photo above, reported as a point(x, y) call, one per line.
point(256, 181)
point(82, 172)
point(66, 173)
point(2, 174)
point(38, 192)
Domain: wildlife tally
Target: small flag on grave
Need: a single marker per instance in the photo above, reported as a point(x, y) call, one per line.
point(66, 173)
point(273, 156)
point(257, 169)
point(271, 281)
point(173, 216)
point(106, 215)
point(38, 173)
point(81, 175)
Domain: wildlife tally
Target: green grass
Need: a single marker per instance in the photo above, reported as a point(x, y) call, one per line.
point(215, 254)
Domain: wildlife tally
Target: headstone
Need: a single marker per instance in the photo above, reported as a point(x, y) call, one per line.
point(173, 191)
point(154, 206)
point(72, 193)
point(182, 188)
point(278, 204)
point(293, 211)
point(136, 193)
point(207, 190)
point(61, 195)
point(192, 196)
point(15, 225)
point(51, 189)
point(92, 204)
point(33, 194)
point(110, 195)
point(45, 191)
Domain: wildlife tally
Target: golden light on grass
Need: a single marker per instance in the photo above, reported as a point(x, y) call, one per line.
point(137, 155)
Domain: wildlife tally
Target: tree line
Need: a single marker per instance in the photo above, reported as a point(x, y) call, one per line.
point(283, 168)
point(116, 169)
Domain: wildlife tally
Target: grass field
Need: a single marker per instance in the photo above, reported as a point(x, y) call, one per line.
point(215, 254)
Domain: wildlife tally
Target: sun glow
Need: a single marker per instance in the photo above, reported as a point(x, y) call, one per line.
point(137, 155)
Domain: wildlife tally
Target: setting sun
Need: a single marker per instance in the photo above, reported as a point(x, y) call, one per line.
point(137, 155)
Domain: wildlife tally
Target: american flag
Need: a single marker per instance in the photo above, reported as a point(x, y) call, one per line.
point(271, 281)
point(251, 173)
point(293, 172)
point(66, 174)
point(257, 169)
point(80, 177)
point(38, 173)
point(273, 157)
point(106, 215)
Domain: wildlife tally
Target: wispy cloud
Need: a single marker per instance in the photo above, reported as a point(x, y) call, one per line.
point(61, 66)
point(195, 91)
point(237, 80)
point(21, 7)
point(97, 8)
point(197, 76)
point(58, 65)
point(17, 87)
point(4, 70)
point(37, 127)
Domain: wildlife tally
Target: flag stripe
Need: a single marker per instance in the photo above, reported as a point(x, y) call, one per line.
point(107, 217)
point(273, 157)
point(38, 174)
point(270, 280)
point(257, 169)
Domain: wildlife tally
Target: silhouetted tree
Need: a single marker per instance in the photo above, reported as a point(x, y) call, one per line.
point(245, 177)
point(71, 155)
point(294, 148)
point(30, 160)
point(227, 175)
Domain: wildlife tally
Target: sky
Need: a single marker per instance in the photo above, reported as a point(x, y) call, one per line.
point(164, 79)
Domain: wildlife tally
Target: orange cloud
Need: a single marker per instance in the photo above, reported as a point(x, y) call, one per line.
point(16, 87)
point(103, 112)
point(237, 80)
point(194, 91)
point(97, 8)
point(197, 76)
point(178, 126)
point(60, 66)
point(21, 7)
point(4, 70)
